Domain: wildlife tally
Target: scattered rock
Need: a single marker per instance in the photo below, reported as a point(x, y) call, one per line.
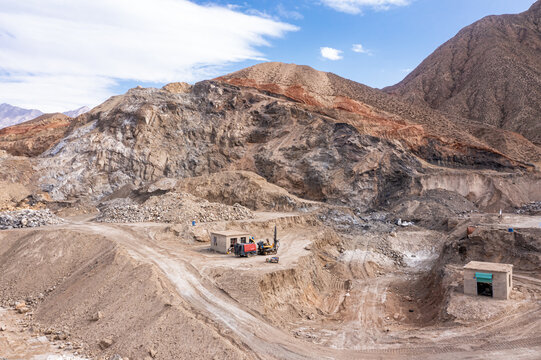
point(3, 327)
point(97, 316)
point(105, 343)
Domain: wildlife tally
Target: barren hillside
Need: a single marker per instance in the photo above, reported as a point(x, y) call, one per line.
point(489, 72)
point(33, 137)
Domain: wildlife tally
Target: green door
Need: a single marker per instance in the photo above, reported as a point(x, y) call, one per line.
point(483, 277)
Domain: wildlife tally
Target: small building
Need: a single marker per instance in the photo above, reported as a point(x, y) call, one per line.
point(488, 279)
point(221, 241)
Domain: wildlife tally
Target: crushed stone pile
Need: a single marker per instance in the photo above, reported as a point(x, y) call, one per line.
point(27, 218)
point(532, 208)
point(172, 207)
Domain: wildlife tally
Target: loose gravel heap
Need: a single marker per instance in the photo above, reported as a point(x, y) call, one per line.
point(532, 208)
point(27, 218)
point(171, 208)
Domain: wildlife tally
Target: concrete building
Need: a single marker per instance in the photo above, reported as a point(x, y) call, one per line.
point(221, 241)
point(488, 279)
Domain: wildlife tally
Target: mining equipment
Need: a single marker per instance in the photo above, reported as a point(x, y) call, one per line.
point(265, 248)
point(245, 250)
point(273, 260)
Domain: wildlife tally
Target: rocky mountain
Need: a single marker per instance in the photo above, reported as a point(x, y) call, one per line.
point(12, 115)
point(77, 112)
point(383, 115)
point(490, 72)
point(314, 134)
point(33, 137)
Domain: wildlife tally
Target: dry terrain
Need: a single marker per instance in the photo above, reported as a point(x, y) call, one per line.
point(378, 202)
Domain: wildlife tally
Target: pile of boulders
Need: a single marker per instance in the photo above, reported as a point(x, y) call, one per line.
point(532, 208)
point(173, 207)
point(27, 218)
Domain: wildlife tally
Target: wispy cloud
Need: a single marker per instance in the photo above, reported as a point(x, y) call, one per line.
point(358, 48)
point(64, 54)
point(330, 53)
point(287, 13)
point(356, 6)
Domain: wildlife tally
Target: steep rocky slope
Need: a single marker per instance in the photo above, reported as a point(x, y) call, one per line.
point(361, 158)
point(489, 72)
point(33, 137)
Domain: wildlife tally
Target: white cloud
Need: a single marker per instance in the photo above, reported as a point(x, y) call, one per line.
point(356, 6)
point(57, 55)
point(358, 48)
point(330, 53)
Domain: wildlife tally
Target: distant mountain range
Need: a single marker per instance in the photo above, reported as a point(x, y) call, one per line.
point(12, 115)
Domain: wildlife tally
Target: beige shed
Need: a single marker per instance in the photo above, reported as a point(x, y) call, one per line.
point(488, 279)
point(221, 241)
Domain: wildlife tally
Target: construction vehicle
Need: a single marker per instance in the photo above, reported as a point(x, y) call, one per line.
point(245, 250)
point(265, 248)
point(273, 260)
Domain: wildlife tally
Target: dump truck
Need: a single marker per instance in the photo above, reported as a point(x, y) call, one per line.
point(245, 250)
point(266, 248)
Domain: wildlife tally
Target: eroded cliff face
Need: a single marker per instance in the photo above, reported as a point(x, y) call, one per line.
point(149, 133)
point(315, 152)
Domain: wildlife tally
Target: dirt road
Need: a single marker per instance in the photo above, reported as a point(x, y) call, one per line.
point(183, 266)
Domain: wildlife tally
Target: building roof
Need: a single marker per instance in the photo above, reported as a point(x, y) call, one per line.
point(488, 266)
point(229, 233)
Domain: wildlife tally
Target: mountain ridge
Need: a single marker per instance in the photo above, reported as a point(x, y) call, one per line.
point(490, 73)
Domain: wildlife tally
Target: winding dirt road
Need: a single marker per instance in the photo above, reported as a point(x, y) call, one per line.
point(265, 341)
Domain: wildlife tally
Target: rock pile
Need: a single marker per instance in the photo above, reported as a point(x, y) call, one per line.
point(532, 208)
point(27, 218)
point(172, 207)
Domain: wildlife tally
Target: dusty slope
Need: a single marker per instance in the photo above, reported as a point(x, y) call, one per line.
point(140, 309)
point(489, 72)
point(33, 137)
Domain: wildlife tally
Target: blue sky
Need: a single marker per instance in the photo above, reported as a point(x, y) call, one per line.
point(57, 55)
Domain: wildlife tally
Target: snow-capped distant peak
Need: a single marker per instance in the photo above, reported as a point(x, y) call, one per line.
point(77, 112)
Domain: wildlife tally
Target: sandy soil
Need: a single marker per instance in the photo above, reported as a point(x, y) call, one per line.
point(21, 341)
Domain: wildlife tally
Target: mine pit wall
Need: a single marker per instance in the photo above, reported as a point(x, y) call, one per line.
point(490, 192)
point(311, 289)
